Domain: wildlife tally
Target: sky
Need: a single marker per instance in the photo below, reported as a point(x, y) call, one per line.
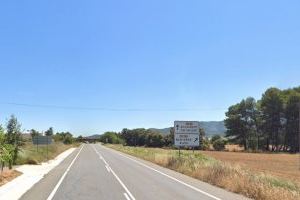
point(93, 66)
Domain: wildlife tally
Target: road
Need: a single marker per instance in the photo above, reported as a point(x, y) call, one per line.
point(96, 172)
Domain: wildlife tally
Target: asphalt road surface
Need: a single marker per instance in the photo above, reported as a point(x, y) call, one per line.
point(95, 172)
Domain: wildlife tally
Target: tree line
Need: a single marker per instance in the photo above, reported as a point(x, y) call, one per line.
point(145, 137)
point(268, 124)
point(136, 137)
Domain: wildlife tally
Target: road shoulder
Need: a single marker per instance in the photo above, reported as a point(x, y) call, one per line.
point(31, 174)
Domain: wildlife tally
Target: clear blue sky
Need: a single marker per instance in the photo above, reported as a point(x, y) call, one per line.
point(156, 56)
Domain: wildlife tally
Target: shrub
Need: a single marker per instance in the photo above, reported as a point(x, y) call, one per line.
point(112, 138)
point(68, 140)
point(31, 161)
point(205, 144)
point(219, 144)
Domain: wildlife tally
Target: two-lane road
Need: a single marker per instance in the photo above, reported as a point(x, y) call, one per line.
point(96, 172)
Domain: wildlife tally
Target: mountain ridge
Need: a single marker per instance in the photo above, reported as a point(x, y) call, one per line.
point(211, 128)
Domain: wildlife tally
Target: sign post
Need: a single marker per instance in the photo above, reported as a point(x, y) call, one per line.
point(186, 134)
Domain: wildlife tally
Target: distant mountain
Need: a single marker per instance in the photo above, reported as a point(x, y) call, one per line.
point(211, 128)
point(93, 137)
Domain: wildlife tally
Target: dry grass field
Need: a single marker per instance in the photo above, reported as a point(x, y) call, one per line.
point(280, 165)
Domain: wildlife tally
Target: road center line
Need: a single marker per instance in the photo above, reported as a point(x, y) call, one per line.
point(166, 175)
point(115, 175)
point(50, 197)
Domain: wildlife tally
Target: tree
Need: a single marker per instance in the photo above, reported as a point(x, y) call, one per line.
point(242, 123)
point(214, 138)
point(68, 139)
point(49, 132)
point(169, 139)
point(13, 137)
point(219, 144)
point(250, 119)
point(292, 122)
point(205, 144)
point(235, 126)
point(112, 138)
point(65, 137)
point(80, 138)
point(272, 116)
point(5, 150)
point(34, 133)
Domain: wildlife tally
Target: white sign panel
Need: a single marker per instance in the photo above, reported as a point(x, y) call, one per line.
point(186, 133)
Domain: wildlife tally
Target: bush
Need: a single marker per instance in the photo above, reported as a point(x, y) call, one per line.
point(31, 161)
point(214, 138)
point(111, 138)
point(219, 144)
point(68, 140)
point(205, 144)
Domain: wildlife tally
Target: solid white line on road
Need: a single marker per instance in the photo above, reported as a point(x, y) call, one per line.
point(115, 175)
point(123, 185)
point(107, 168)
point(166, 175)
point(126, 196)
point(50, 197)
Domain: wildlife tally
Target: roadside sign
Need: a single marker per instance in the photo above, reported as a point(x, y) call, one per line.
point(186, 133)
point(42, 140)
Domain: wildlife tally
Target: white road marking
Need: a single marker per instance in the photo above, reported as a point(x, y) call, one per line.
point(107, 168)
point(126, 196)
point(115, 175)
point(166, 175)
point(50, 197)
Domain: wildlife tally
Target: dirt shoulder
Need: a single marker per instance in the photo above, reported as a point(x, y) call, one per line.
point(8, 175)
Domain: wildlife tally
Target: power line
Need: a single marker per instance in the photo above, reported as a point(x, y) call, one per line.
point(111, 109)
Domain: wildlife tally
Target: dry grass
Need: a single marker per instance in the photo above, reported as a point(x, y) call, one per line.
point(234, 148)
point(31, 155)
point(232, 177)
point(8, 175)
point(279, 165)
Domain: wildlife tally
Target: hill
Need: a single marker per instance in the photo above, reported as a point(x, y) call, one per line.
point(93, 137)
point(211, 128)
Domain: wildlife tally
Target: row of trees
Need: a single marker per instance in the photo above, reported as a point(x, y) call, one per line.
point(143, 137)
point(136, 137)
point(271, 123)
